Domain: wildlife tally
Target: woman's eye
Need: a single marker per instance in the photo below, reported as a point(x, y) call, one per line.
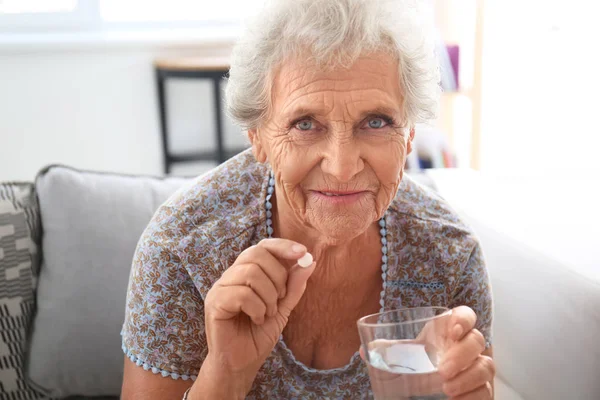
point(304, 125)
point(377, 123)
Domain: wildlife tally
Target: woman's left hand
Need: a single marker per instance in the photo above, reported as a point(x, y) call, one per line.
point(466, 373)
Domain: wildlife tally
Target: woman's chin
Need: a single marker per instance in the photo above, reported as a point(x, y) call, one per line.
point(342, 228)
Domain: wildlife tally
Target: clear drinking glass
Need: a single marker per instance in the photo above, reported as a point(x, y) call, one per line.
point(402, 349)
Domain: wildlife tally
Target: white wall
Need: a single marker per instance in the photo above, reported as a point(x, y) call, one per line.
point(97, 109)
point(540, 87)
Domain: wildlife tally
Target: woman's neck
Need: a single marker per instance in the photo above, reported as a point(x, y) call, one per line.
point(344, 262)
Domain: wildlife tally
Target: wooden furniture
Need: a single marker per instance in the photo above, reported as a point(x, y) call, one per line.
point(214, 69)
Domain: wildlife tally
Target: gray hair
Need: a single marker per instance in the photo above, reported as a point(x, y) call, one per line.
point(334, 33)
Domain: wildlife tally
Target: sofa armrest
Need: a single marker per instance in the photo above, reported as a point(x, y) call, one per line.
point(546, 321)
point(542, 255)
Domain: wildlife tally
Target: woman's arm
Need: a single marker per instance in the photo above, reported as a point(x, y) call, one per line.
point(139, 384)
point(164, 318)
point(240, 330)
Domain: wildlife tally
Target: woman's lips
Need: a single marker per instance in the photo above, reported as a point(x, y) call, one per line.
point(338, 193)
point(336, 197)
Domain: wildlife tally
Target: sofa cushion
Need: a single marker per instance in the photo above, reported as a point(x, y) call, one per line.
point(19, 266)
point(91, 224)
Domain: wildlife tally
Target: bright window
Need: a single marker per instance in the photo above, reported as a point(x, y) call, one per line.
point(540, 86)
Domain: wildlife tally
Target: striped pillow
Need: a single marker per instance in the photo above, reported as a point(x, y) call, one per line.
point(20, 239)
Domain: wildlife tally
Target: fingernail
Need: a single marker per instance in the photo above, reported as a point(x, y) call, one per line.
point(298, 248)
point(457, 331)
point(446, 369)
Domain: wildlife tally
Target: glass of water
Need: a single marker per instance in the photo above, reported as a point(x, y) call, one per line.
point(402, 349)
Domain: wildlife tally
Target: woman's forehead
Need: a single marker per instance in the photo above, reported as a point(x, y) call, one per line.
point(366, 71)
point(368, 84)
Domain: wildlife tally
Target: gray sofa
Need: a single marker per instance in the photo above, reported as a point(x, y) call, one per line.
point(66, 243)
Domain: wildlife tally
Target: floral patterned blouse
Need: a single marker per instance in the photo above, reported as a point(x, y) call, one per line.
point(433, 259)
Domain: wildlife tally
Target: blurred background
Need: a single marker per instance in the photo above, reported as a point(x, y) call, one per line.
point(78, 86)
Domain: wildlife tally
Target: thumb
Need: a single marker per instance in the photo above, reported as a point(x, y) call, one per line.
point(296, 285)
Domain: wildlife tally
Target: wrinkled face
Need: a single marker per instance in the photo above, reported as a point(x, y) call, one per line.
point(337, 143)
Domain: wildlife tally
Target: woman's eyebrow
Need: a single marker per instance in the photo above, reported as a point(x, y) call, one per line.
point(302, 112)
point(380, 111)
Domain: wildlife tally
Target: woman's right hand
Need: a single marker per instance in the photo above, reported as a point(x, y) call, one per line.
point(247, 309)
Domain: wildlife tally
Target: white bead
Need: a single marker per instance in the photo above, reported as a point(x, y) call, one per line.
point(306, 260)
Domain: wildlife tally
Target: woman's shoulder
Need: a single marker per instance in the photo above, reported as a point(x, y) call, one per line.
point(229, 197)
point(209, 221)
point(435, 257)
point(425, 226)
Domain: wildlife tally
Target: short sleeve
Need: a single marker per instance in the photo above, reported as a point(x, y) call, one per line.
point(163, 329)
point(474, 290)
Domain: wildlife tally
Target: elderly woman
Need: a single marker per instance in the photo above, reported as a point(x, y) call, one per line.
point(329, 92)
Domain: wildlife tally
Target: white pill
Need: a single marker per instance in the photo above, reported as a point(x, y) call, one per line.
point(306, 260)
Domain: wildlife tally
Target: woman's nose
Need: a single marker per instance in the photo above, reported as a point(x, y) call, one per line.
point(342, 159)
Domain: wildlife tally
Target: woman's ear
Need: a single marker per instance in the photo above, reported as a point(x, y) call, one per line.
point(411, 136)
point(257, 148)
